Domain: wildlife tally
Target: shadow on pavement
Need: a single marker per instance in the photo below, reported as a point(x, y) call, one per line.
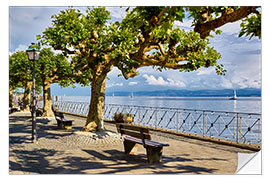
point(35, 159)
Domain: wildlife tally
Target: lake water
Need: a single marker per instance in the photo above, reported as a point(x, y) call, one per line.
point(242, 104)
point(218, 122)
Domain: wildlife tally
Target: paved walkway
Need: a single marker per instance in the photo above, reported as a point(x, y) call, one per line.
point(72, 152)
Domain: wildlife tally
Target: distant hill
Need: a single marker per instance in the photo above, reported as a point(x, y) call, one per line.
point(192, 93)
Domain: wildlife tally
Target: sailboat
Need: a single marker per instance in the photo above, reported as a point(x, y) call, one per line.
point(234, 96)
point(131, 95)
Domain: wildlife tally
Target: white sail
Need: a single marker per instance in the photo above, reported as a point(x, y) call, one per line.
point(234, 96)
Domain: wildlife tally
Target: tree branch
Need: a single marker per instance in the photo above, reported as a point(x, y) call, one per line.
point(162, 12)
point(127, 74)
point(152, 62)
point(161, 49)
point(226, 17)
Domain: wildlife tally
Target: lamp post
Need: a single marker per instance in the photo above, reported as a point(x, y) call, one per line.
point(33, 55)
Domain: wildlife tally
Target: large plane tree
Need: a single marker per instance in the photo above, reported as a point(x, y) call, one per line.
point(146, 36)
point(20, 76)
point(52, 68)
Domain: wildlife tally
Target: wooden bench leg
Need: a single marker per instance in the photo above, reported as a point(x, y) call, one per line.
point(128, 145)
point(154, 155)
point(60, 124)
point(68, 125)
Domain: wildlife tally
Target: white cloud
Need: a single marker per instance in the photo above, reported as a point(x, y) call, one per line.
point(114, 72)
point(21, 47)
point(132, 83)
point(114, 84)
point(244, 82)
point(231, 28)
point(117, 12)
point(248, 74)
point(205, 71)
point(225, 83)
point(151, 80)
point(186, 24)
point(176, 83)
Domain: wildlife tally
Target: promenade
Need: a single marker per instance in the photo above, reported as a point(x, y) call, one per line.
point(74, 152)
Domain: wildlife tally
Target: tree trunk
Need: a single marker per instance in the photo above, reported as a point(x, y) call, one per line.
point(27, 96)
point(47, 100)
point(11, 102)
point(95, 115)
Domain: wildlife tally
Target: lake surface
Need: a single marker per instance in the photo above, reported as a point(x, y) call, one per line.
point(242, 104)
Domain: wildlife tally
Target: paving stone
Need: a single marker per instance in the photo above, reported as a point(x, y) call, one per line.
point(76, 152)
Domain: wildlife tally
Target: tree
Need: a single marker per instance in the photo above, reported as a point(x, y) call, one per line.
point(147, 36)
point(20, 75)
point(51, 68)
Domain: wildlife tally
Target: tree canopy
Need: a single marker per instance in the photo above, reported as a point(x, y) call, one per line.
point(20, 68)
point(52, 68)
point(146, 36)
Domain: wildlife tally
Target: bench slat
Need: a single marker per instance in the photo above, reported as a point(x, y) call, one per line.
point(147, 142)
point(66, 120)
point(60, 116)
point(132, 127)
point(135, 134)
point(135, 131)
point(163, 144)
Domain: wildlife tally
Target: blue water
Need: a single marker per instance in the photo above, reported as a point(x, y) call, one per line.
point(242, 104)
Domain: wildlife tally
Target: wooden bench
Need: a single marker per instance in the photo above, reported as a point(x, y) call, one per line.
point(39, 111)
point(138, 135)
point(62, 122)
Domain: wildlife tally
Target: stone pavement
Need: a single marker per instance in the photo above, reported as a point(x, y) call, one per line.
point(74, 152)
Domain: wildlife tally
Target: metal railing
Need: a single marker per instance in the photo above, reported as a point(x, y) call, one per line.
point(235, 126)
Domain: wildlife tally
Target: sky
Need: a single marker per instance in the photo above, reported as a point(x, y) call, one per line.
point(241, 57)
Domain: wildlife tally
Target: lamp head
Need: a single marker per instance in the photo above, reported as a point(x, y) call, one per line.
point(33, 52)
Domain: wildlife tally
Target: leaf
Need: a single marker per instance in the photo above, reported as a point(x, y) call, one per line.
point(38, 37)
point(218, 31)
point(241, 33)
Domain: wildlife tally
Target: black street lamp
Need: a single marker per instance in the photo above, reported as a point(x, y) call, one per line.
point(33, 55)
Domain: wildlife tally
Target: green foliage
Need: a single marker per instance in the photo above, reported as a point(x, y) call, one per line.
point(74, 30)
point(55, 68)
point(121, 117)
point(20, 69)
point(203, 13)
point(49, 66)
point(98, 43)
point(84, 78)
point(220, 70)
point(251, 26)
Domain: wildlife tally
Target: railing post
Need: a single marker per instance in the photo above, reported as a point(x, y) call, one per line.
point(240, 128)
point(237, 128)
point(218, 126)
point(203, 123)
point(259, 130)
point(156, 118)
point(177, 121)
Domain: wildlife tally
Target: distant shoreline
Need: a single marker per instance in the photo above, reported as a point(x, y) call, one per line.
point(171, 97)
point(173, 93)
